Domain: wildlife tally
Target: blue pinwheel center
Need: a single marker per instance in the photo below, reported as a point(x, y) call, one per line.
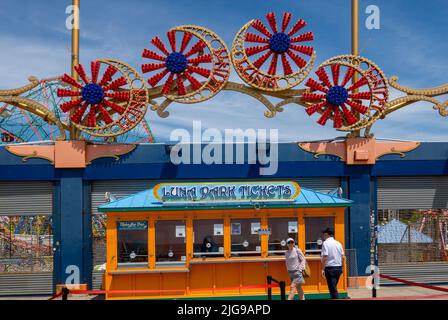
point(176, 62)
point(279, 42)
point(337, 95)
point(92, 93)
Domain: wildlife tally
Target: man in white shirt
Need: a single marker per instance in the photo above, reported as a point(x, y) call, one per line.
point(332, 255)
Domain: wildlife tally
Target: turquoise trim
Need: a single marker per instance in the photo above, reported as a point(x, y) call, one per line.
point(145, 201)
point(172, 208)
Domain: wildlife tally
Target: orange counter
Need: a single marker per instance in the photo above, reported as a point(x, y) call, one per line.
point(205, 277)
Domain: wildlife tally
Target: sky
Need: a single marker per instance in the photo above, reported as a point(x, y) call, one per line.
point(411, 43)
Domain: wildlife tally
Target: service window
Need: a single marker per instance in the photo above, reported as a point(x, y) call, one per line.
point(208, 238)
point(313, 233)
point(170, 242)
point(132, 242)
point(281, 229)
point(245, 238)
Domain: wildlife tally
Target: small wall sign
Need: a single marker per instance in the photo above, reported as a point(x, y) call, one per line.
point(264, 231)
point(132, 225)
point(292, 227)
point(180, 231)
point(254, 227)
point(218, 229)
point(235, 229)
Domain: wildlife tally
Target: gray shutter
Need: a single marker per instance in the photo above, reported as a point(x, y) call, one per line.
point(118, 189)
point(321, 184)
point(425, 192)
point(421, 272)
point(97, 280)
point(36, 283)
point(26, 198)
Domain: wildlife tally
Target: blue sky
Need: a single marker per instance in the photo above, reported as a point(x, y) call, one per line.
point(412, 43)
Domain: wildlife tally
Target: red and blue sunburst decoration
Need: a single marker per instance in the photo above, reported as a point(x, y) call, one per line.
point(99, 99)
point(178, 65)
point(338, 100)
point(280, 43)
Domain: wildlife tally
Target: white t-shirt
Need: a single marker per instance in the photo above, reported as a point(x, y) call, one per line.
point(333, 250)
point(295, 260)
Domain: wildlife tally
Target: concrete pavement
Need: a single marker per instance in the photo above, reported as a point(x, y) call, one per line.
point(383, 293)
point(400, 293)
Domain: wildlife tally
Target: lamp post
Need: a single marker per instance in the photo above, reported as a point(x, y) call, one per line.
point(355, 45)
point(355, 27)
point(74, 134)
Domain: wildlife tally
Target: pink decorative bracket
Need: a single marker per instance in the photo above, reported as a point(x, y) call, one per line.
point(359, 151)
point(70, 154)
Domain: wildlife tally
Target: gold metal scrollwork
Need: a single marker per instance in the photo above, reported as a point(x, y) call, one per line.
point(12, 97)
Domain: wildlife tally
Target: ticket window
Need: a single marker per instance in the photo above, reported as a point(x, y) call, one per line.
point(132, 243)
point(208, 238)
point(281, 229)
point(313, 233)
point(245, 240)
point(170, 243)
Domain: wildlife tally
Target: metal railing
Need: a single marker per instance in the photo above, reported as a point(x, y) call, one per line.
point(282, 285)
point(351, 262)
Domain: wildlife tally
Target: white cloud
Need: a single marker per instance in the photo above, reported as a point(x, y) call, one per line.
point(26, 56)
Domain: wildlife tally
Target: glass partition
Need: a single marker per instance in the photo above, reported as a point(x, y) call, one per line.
point(245, 238)
point(281, 229)
point(170, 242)
point(313, 233)
point(208, 238)
point(132, 242)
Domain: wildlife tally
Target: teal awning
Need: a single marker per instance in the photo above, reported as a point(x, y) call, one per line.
point(145, 201)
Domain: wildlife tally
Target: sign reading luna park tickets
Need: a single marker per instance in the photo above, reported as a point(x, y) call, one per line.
point(226, 192)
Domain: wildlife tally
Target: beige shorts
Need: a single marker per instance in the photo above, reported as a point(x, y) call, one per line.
point(296, 278)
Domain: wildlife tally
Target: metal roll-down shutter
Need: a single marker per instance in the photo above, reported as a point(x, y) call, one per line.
point(28, 198)
point(16, 284)
point(118, 189)
point(428, 192)
point(321, 184)
point(413, 193)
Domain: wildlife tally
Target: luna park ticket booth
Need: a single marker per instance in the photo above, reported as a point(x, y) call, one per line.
point(216, 240)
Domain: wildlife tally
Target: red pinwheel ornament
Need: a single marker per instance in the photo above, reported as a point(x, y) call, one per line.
point(183, 68)
point(282, 44)
point(96, 102)
point(336, 98)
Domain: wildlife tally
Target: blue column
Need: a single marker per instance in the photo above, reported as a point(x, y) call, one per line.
point(87, 246)
point(71, 222)
point(346, 195)
point(56, 220)
point(360, 192)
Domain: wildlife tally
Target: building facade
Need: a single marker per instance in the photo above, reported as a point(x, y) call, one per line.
point(51, 232)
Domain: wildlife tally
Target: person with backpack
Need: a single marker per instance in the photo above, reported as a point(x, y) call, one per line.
point(295, 264)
